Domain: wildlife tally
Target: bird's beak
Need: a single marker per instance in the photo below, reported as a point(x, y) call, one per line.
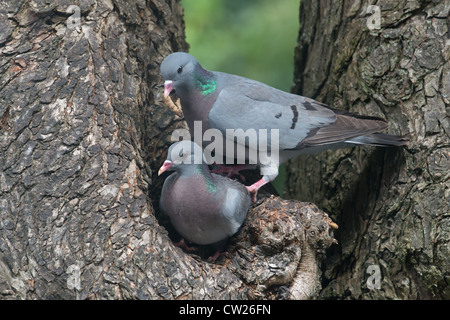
point(168, 84)
point(166, 165)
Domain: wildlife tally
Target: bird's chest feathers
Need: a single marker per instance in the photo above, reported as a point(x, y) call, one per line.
point(197, 107)
point(195, 189)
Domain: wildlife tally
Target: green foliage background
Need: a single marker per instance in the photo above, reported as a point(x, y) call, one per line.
point(250, 38)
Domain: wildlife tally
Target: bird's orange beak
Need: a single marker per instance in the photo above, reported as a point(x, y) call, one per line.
point(168, 87)
point(166, 165)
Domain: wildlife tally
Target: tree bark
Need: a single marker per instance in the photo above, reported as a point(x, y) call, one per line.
point(391, 204)
point(82, 133)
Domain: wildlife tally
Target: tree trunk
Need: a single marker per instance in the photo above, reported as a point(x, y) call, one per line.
point(391, 59)
point(82, 134)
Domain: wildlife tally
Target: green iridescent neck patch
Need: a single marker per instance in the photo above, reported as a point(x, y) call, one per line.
point(210, 186)
point(206, 83)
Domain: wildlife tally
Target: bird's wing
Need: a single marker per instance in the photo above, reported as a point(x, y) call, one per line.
point(346, 127)
point(236, 201)
point(246, 104)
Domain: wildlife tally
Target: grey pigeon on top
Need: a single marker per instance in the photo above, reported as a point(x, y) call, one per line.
point(205, 208)
point(224, 101)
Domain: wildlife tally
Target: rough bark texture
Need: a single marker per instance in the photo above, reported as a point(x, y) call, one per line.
point(82, 134)
point(392, 205)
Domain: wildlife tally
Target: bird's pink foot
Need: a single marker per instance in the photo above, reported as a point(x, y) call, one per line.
point(231, 170)
point(253, 189)
point(217, 254)
point(183, 245)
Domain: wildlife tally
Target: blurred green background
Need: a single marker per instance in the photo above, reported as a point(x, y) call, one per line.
point(250, 38)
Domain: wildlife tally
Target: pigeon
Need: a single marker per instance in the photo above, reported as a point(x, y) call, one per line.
point(205, 208)
point(225, 101)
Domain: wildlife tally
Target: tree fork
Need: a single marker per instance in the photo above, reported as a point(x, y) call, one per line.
point(82, 132)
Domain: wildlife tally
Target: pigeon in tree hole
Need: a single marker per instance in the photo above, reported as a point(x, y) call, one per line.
point(205, 208)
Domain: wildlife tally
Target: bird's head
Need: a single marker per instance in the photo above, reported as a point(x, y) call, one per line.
point(178, 71)
point(182, 153)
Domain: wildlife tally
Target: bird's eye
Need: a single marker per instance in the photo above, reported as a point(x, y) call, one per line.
point(180, 69)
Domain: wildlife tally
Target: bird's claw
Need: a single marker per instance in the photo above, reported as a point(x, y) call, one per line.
point(175, 107)
point(253, 192)
point(183, 245)
point(217, 254)
point(231, 171)
point(253, 189)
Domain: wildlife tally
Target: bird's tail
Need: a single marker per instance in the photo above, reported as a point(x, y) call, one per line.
point(380, 140)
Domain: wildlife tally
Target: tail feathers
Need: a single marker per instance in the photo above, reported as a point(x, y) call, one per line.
point(380, 140)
